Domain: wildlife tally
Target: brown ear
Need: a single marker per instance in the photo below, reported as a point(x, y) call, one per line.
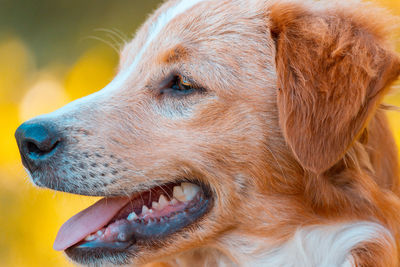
point(333, 66)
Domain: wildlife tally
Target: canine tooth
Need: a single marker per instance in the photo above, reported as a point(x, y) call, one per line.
point(99, 233)
point(178, 193)
point(190, 190)
point(132, 216)
point(162, 201)
point(155, 205)
point(145, 209)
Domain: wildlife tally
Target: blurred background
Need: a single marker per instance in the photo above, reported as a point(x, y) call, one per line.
point(52, 52)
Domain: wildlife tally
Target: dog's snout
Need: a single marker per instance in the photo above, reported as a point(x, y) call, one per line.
point(37, 142)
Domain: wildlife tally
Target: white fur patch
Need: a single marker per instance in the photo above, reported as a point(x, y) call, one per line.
point(314, 246)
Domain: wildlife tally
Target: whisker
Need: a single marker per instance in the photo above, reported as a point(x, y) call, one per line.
point(114, 32)
point(118, 39)
point(115, 41)
point(164, 191)
point(140, 194)
point(103, 41)
point(122, 35)
point(129, 196)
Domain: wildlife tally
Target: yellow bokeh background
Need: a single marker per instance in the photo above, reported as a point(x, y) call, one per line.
point(31, 85)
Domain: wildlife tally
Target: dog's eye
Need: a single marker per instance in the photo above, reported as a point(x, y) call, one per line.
point(181, 84)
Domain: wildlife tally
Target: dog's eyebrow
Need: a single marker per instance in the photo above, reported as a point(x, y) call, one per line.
point(177, 53)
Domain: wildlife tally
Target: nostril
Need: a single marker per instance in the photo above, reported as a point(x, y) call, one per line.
point(32, 148)
point(40, 151)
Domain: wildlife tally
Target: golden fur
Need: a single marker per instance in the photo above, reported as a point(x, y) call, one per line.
point(289, 133)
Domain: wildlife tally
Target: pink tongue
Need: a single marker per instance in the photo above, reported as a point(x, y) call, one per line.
point(88, 221)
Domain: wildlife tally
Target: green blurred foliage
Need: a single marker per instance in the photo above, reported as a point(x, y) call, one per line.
point(56, 30)
point(52, 52)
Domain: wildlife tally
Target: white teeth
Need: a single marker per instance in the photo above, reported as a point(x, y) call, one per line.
point(190, 190)
point(132, 216)
point(155, 205)
point(178, 193)
point(185, 192)
point(162, 202)
point(90, 238)
point(144, 210)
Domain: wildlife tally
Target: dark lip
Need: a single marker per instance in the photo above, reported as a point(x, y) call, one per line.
point(124, 252)
point(101, 256)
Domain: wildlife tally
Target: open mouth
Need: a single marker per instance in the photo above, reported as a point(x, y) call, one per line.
point(121, 222)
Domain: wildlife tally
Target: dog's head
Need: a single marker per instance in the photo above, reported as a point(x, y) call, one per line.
point(216, 105)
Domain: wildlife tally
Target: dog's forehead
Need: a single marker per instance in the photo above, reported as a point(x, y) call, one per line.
point(188, 22)
point(154, 28)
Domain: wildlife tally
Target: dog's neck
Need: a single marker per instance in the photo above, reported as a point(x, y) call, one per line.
point(324, 246)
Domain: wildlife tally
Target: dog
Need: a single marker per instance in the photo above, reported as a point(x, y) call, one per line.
point(235, 133)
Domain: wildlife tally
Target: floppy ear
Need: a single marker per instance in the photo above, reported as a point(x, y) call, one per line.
point(333, 65)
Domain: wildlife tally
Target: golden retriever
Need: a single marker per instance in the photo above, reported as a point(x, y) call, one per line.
point(235, 133)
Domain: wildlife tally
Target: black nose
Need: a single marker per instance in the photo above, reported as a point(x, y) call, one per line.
point(37, 142)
